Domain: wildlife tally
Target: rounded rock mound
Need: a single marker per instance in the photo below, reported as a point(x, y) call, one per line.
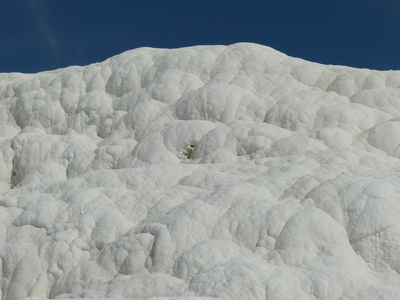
point(207, 172)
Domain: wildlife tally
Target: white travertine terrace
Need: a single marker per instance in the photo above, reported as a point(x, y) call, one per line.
point(227, 172)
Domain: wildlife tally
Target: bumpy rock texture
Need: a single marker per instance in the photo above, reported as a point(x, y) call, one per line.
point(229, 172)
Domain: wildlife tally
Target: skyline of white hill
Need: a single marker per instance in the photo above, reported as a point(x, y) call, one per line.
point(228, 172)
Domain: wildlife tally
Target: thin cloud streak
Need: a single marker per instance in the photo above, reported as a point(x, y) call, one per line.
point(40, 18)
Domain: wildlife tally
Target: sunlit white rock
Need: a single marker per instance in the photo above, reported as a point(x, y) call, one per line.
point(210, 172)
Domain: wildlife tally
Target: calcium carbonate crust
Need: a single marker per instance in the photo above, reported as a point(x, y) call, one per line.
point(209, 172)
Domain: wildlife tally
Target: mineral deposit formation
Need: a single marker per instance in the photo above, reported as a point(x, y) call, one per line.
point(209, 172)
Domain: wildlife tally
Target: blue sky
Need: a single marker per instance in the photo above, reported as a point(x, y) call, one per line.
point(39, 35)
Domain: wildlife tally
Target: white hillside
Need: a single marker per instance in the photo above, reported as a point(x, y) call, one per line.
point(228, 172)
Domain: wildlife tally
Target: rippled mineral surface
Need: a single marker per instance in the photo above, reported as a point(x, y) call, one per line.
point(209, 172)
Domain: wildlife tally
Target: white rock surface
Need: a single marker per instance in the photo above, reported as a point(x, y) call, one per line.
point(228, 172)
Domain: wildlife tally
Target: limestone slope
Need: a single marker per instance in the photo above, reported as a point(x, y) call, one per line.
point(228, 172)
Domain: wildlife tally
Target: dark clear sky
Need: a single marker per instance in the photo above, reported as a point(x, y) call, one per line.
point(41, 35)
